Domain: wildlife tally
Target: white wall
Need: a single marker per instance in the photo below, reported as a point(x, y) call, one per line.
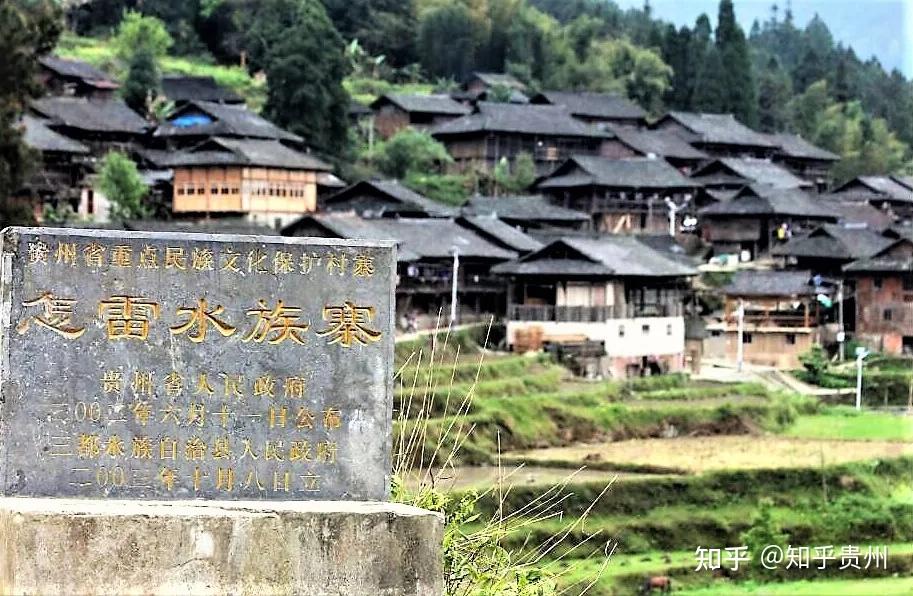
point(666, 335)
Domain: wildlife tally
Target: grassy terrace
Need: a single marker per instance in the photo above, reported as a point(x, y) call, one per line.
point(688, 463)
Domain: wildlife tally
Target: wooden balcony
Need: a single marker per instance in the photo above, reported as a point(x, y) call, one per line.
point(589, 314)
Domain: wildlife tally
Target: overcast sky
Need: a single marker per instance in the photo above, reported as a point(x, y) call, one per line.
point(883, 28)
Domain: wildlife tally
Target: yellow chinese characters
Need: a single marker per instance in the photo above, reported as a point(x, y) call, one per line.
point(348, 324)
point(199, 319)
point(57, 314)
point(127, 317)
point(275, 325)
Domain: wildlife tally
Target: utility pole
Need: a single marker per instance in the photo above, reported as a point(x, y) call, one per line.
point(740, 347)
point(861, 353)
point(453, 289)
point(841, 335)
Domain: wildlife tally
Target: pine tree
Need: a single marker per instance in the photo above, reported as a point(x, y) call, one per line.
point(142, 82)
point(295, 44)
point(710, 93)
point(774, 92)
point(740, 91)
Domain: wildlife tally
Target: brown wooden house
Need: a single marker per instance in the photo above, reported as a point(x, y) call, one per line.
point(74, 78)
point(719, 135)
point(884, 298)
point(782, 317)
point(596, 108)
point(749, 222)
point(827, 248)
point(804, 159)
point(196, 121)
point(891, 193)
point(59, 178)
point(533, 212)
point(182, 89)
point(102, 125)
point(496, 131)
point(258, 179)
point(629, 142)
point(383, 198)
point(732, 173)
point(394, 112)
point(425, 248)
point(621, 195)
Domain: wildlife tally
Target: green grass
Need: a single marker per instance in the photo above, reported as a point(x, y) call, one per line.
point(365, 91)
point(882, 586)
point(841, 423)
point(99, 53)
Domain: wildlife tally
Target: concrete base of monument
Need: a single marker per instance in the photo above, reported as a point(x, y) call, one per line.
point(307, 548)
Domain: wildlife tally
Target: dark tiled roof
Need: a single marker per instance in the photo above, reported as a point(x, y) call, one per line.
point(880, 185)
point(494, 79)
point(857, 212)
point(721, 129)
point(395, 191)
point(904, 180)
point(761, 200)
point(529, 208)
point(897, 257)
point(39, 136)
point(495, 230)
point(416, 238)
point(186, 88)
point(244, 152)
point(77, 69)
point(661, 143)
point(833, 241)
point(606, 256)
point(795, 146)
point(762, 171)
point(637, 172)
point(770, 283)
point(227, 120)
point(542, 120)
point(110, 115)
point(593, 105)
point(425, 104)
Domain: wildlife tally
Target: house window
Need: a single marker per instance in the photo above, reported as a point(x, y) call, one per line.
point(645, 329)
point(908, 283)
point(715, 333)
point(746, 338)
point(877, 283)
point(214, 190)
point(669, 329)
point(888, 314)
point(224, 190)
point(180, 190)
point(621, 331)
point(790, 339)
point(90, 201)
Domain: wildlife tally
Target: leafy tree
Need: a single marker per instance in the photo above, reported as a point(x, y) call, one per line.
point(121, 183)
point(143, 81)
point(807, 108)
point(764, 531)
point(28, 30)
point(499, 94)
point(736, 74)
point(447, 42)
point(513, 178)
point(410, 150)
point(382, 27)
point(136, 33)
point(303, 57)
point(774, 92)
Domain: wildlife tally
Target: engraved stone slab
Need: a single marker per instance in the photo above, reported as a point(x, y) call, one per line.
point(163, 365)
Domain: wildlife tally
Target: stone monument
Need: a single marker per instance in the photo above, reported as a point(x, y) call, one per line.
point(195, 396)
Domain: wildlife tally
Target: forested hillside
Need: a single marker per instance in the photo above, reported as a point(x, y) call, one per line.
point(781, 75)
